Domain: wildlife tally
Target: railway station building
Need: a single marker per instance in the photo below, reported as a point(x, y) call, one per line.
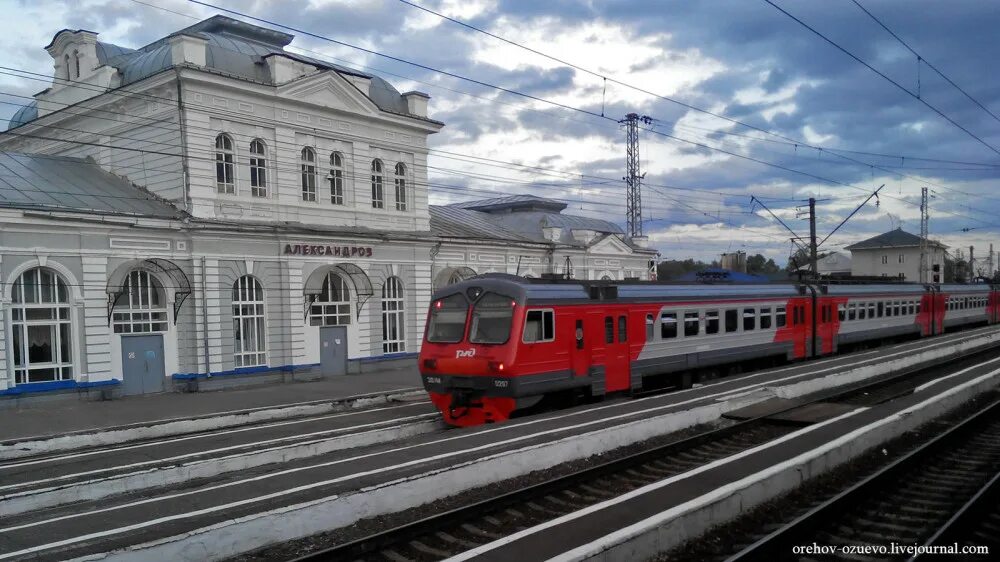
point(214, 210)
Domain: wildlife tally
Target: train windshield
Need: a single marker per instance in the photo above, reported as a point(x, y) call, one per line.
point(491, 319)
point(447, 323)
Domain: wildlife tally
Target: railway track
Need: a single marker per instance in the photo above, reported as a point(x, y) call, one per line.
point(459, 530)
point(913, 501)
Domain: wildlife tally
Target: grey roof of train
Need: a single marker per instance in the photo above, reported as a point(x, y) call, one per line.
point(234, 47)
point(898, 238)
point(58, 183)
point(852, 289)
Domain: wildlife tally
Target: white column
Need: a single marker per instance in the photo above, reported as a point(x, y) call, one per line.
point(298, 324)
point(418, 303)
point(96, 332)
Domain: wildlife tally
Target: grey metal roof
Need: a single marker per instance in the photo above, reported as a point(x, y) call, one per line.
point(513, 202)
point(453, 222)
point(530, 224)
point(57, 183)
point(235, 48)
point(27, 113)
point(893, 239)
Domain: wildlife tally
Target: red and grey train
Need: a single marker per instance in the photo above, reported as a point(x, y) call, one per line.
point(498, 343)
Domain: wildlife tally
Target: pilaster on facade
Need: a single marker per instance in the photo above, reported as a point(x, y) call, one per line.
point(213, 314)
point(97, 333)
point(295, 302)
point(6, 371)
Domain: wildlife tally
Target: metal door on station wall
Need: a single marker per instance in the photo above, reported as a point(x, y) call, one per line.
point(333, 350)
point(143, 370)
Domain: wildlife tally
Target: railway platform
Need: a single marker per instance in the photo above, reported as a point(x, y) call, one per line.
point(218, 517)
point(214, 409)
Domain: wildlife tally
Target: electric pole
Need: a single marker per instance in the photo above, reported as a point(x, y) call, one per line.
point(633, 179)
point(924, 220)
point(972, 266)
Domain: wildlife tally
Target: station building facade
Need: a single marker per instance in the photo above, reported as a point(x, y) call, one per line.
point(212, 209)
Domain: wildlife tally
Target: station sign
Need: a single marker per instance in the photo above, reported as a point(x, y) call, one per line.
point(334, 250)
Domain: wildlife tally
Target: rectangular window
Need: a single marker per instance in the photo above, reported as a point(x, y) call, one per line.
point(378, 195)
point(447, 319)
point(917, 307)
point(650, 324)
point(691, 324)
point(880, 309)
point(765, 318)
point(885, 260)
point(732, 321)
point(337, 187)
point(779, 317)
point(852, 311)
point(308, 182)
point(862, 311)
point(579, 334)
point(668, 325)
point(539, 326)
point(712, 322)
point(749, 319)
point(400, 194)
point(492, 316)
point(901, 258)
point(609, 329)
point(842, 312)
point(258, 177)
point(622, 329)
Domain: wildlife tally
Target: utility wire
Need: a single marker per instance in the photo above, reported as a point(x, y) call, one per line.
point(876, 71)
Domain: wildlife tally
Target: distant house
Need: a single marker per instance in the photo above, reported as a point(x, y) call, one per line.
point(834, 264)
point(896, 254)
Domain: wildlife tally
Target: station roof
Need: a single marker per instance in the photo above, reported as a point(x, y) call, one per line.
point(898, 238)
point(58, 183)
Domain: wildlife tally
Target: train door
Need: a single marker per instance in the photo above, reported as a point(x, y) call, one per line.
point(826, 327)
point(616, 336)
point(803, 330)
point(579, 348)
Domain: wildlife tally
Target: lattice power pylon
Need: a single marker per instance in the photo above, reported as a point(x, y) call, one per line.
point(633, 178)
point(924, 219)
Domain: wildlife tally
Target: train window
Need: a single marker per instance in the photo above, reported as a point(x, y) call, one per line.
point(765, 318)
point(491, 319)
point(918, 307)
point(842, 312)
point(539, 326)
point(732, 321)
point(609, 329)
point(691, 324)
point(779, 317)
point(897, 308)
point(622, 329)
point(749, 319)
point(871, 310)
point(862, 311)
point(880, 310)
point(852, 312)
point(579, 334)
point(668, 325)
point(650, 324)
point(447, 322)
point(912, 307)
point(712, 322)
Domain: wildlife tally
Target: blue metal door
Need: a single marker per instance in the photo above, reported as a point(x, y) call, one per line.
point(142, 364)
point(333, 350)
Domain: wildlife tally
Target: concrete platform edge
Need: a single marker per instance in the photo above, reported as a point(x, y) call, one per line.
point(30, 446)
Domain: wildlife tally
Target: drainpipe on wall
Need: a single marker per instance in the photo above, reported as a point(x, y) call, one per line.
point(204, 314)
point(182, 125)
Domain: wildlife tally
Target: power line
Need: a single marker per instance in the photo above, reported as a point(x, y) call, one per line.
point(876, 71)
point(925, 61)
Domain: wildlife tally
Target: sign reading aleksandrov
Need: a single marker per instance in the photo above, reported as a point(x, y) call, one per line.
point(324, 250)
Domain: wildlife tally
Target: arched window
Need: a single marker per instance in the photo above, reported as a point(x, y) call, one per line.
point(225, 173)
point(400, 180)
point(378, 194)
point(336, 178)
point(605, 278)
point(69, 71)
point(258, 168)
point(249, 331)
point(141, 306)
point(308, 174)
point(333, 305)
point(42, 338)
point(76, 61)
point(393, 316)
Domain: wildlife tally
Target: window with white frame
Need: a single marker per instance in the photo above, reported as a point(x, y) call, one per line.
point(901, 258)
point(885, 260)
point(141, 306)
point(225, 171)
point(393, 316)
point(400, 181)
point(378, 193)
point(249, 329)
point(332, 306)
point(308, 174)
point(42, 330)
point(336, 178)
point(258, 168)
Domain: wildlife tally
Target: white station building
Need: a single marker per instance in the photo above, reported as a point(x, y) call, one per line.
point(212, 210)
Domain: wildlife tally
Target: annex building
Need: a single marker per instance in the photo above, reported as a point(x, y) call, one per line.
point(212, 209)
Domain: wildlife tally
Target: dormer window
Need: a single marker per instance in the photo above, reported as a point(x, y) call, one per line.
point(308, 174)
point(400, 181)
point(378, 193)
point(225, 173)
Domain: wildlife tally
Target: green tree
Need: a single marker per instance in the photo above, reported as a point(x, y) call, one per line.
point(759, 265)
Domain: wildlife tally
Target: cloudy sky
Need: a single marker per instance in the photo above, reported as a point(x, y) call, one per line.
point(813, 121)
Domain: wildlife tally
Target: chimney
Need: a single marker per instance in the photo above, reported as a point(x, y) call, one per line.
point(187, 49)
point(416, 103)
point(552, 233)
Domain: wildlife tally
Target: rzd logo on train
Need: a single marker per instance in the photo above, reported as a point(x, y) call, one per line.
point(465, 353)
